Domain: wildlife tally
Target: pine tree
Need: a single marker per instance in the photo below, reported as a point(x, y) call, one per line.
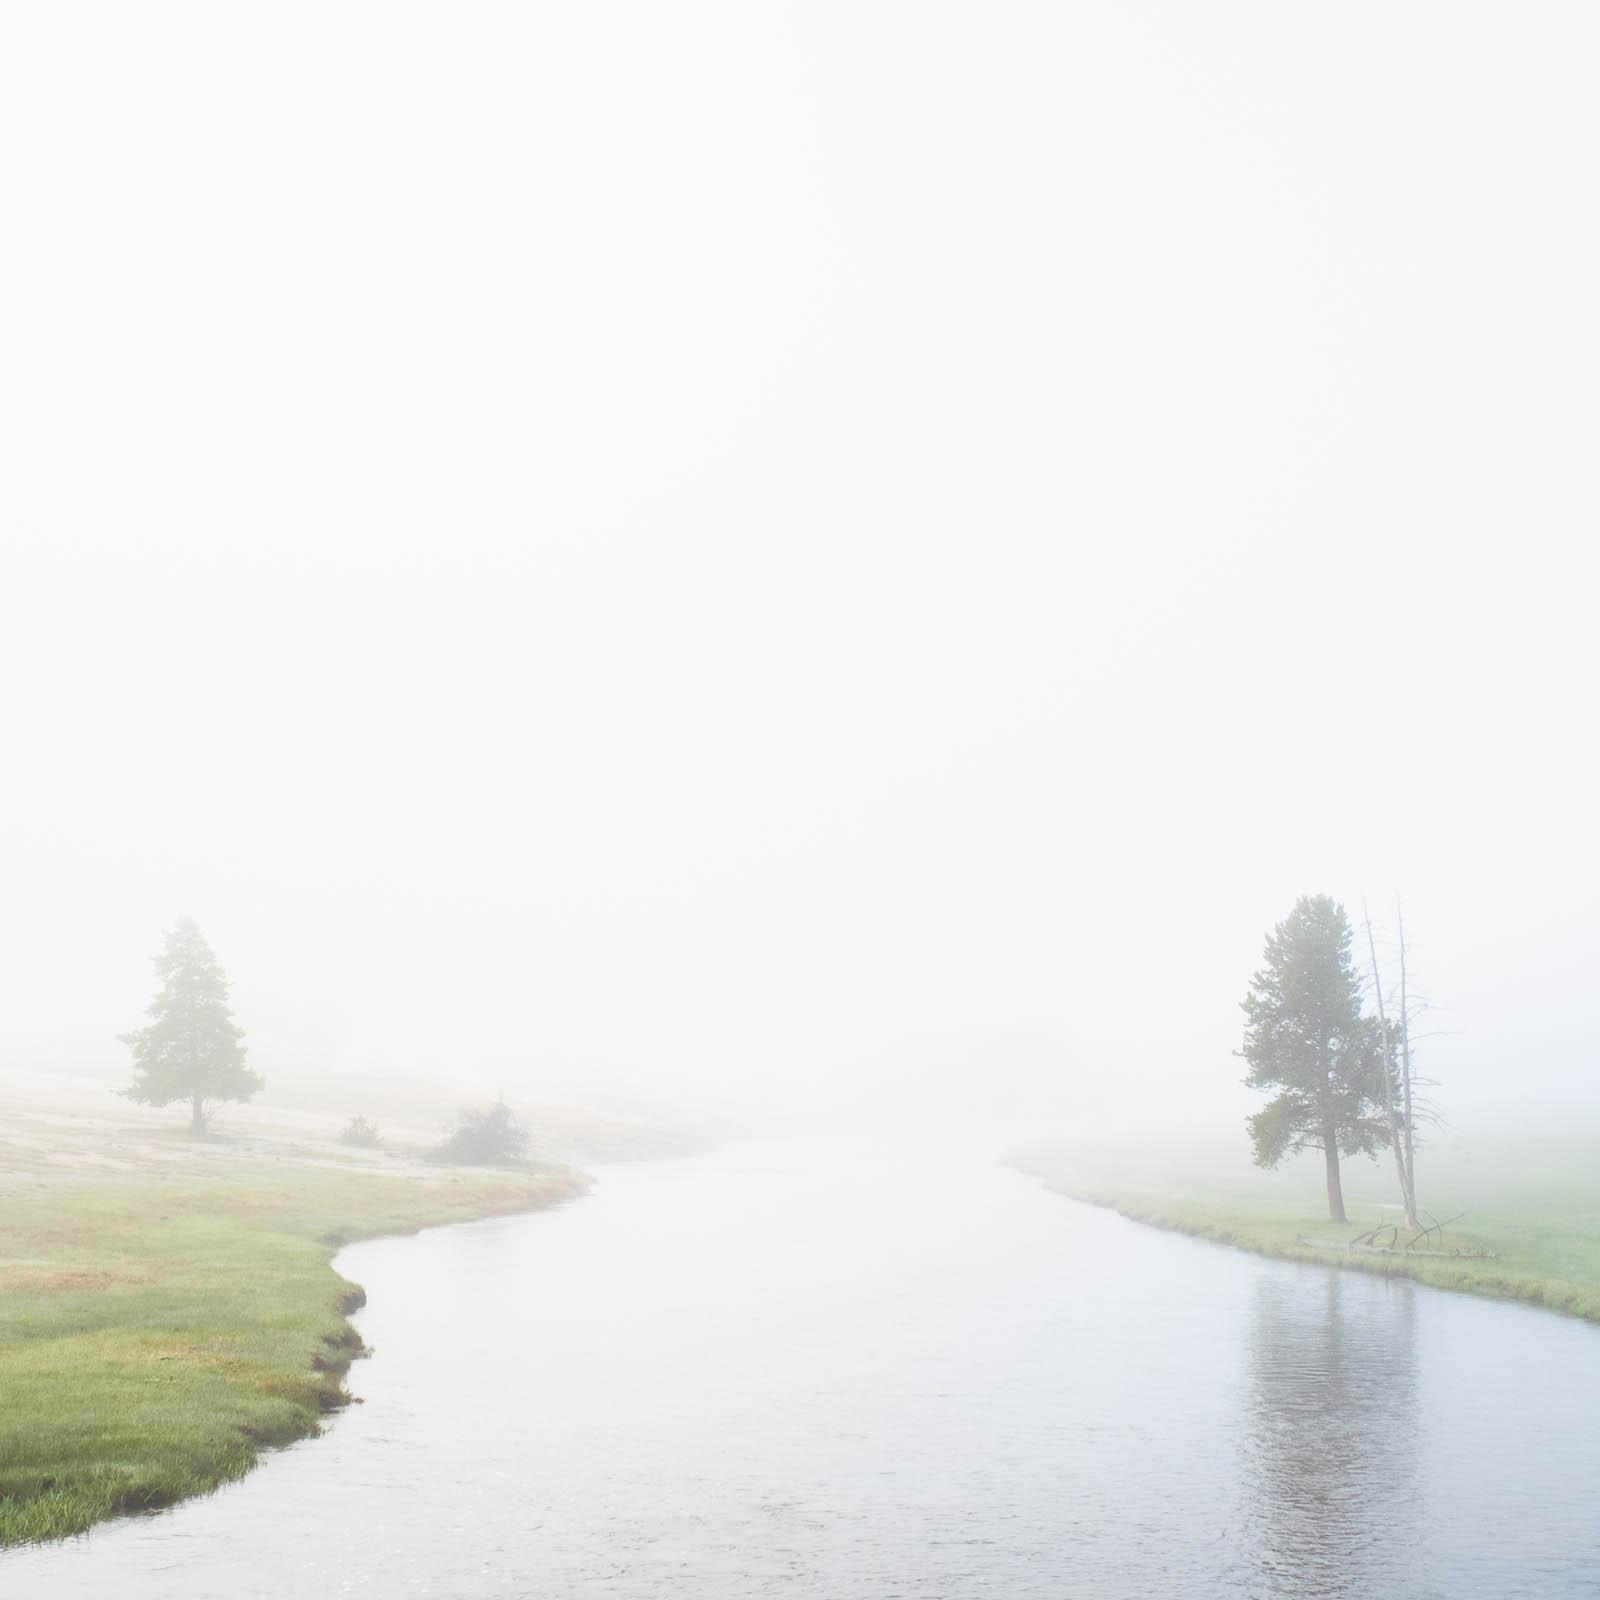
point(191, 1049)
point(1305, 1036)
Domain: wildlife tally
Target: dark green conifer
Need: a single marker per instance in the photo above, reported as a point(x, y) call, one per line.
point(191, 1049)
point(1305, 1036)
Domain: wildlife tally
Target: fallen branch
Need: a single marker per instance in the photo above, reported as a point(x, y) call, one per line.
point(1434, 1226)
point(1370, 1237)
point(1403, 1252)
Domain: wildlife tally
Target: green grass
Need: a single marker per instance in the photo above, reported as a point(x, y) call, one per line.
point(155, 1336)
point(1541, 1228)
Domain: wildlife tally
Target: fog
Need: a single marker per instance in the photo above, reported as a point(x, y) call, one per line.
point(799, 560)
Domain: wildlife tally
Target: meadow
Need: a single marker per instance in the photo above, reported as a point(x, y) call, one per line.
point(169, 1308)
point(1521, 1219)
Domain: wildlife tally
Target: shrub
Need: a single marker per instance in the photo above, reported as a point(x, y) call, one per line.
point(358, 1131)
point(486, 1136)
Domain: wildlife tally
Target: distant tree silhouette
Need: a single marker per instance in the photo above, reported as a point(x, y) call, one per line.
point(1305, 1036)
point(191, 1049)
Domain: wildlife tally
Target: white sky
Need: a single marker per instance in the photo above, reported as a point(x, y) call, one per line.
point(730, 550)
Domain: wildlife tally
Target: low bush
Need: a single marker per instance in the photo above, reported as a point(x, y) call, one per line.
point(486, 1136)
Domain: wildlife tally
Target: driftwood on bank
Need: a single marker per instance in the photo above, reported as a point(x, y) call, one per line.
point(1463, 1253)
point(1426, 1241)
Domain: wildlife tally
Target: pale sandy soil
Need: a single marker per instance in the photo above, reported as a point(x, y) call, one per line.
point(62, 1127)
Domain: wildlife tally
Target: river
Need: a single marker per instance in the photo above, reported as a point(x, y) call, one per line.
point(848, 1371)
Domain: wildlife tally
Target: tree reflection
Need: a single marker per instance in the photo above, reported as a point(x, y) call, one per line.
point(1331, 1457)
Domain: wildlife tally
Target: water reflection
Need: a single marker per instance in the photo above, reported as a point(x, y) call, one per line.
point(1331, 1456)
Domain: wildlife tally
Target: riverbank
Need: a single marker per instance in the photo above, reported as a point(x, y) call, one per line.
point(168, 1307)
point(155, 1336)
point(1526, 1235)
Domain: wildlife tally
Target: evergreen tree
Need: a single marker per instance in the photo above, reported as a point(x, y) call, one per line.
point(1305, 1036)
point(191, 1049)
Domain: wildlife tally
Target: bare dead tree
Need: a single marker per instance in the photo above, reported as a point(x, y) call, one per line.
point(1405, 1071)
point(1397, 1115)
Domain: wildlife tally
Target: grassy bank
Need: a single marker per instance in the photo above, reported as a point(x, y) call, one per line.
point(1538, 1221)
point(155, 1335)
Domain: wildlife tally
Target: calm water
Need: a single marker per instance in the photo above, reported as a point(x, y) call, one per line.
point(803, 1372)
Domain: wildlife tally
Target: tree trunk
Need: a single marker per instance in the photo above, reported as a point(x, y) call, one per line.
point(1405, 1072)
point(197, 1124)
point(1398, 1135)
point(1330, 1152)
